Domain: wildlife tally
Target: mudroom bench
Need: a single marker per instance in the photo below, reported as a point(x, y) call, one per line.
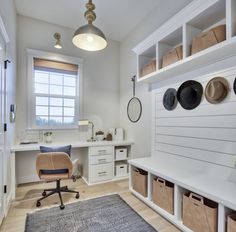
point(185, 179)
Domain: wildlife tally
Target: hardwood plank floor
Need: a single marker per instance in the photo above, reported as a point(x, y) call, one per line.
point(27, 195)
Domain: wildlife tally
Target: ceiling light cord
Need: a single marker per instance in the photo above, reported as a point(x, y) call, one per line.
point(90, 14)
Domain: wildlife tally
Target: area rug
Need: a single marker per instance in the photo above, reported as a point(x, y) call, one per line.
point(103, 214)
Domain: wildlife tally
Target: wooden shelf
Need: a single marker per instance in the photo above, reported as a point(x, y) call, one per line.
point(208, 56)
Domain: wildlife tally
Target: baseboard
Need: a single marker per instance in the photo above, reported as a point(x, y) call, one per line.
point(27, 179)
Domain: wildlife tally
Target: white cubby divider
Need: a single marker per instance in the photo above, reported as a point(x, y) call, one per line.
point(199, 16)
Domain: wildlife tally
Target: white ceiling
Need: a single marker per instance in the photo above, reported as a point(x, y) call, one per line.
point(116, 18)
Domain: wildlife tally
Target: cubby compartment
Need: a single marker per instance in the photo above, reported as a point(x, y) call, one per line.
point(199, 213)
point(121, 169)
point(139, 181)
point(206, 29)
point(230, 220)
point(170, 49)
point(163, 194)
point(147, 63)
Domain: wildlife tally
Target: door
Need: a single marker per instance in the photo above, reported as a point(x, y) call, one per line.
point(2, 119)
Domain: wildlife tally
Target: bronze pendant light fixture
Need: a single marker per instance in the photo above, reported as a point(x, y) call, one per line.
point(89, 37)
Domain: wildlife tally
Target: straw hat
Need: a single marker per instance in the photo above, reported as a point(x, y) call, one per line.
point(169, 99)
point(216, 90)
point(189, 94)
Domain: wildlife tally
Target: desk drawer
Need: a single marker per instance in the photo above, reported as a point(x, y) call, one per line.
point(101, 172)
point(103, 150)
point(101, 159)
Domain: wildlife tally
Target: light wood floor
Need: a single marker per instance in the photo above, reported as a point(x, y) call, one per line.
point(27, 195)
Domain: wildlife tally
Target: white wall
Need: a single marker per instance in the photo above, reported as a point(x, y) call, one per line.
point(101, 75)
point(141, 131)
point(8, 15)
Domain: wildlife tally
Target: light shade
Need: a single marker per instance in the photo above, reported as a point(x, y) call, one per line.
point(89, 38)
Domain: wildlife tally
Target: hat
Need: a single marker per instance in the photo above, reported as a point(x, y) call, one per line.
point(189, 94)
point(216, 90)
point(235, 85)
point(170, 99)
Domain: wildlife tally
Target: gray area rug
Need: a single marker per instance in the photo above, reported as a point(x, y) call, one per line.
point(103, 214)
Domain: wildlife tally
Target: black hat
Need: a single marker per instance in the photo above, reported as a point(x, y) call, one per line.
point(189, 94)
point(235, 85)
point(170, 99)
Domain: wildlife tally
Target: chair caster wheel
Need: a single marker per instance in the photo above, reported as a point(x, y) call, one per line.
point(77, 196)
point(74, 179)
point(44, 193)
point(38, 204)
point(62, 207)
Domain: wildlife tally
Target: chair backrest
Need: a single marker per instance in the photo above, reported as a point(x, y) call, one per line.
point(53, 161)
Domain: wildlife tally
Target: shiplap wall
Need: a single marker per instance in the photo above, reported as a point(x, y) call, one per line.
point(206, 133)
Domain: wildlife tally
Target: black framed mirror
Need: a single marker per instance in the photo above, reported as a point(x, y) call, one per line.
point(134, 107)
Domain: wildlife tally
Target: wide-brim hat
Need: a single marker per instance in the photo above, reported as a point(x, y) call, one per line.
point(169, 99)
point(216, 90)
point(189, 94)
point(235, 85)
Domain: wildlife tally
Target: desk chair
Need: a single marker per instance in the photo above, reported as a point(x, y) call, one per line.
point(54, 161)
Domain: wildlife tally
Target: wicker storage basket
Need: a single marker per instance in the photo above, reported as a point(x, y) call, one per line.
point(139, 180)
point(208, 39)
point(148, 68)
point(163, 194)
point(172, 56)
point(231, 223)
point(199, 214)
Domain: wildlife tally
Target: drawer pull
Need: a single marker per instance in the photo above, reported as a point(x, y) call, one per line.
point(102, 173)
point(100, 151)
point(102, 160)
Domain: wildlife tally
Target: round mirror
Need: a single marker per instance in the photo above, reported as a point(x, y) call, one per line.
point(134, 109)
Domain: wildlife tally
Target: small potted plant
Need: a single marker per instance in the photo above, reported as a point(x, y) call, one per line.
point(48, 137)
point(99, 135)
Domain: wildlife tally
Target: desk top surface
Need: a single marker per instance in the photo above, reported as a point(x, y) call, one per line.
point(35, 147)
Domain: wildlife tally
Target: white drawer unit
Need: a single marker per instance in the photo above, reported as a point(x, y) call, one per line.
point(101, 159)
point(120, 153)
point(101, 172)
point(101, 150)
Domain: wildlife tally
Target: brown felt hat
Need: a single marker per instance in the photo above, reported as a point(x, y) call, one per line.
point(216, 90)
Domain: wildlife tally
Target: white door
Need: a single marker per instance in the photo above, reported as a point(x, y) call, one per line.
point(2, 118)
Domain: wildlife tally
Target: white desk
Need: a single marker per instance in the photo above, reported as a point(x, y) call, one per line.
point(30, 150)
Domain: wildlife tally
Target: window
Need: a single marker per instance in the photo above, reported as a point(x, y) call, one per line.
point(55, 94)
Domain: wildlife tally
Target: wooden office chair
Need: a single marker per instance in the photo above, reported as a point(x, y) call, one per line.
point(54, 166)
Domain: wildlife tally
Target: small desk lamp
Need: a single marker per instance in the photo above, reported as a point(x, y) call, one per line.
point(85, 122)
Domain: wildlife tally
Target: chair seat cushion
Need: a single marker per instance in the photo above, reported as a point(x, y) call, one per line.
point(59, 171)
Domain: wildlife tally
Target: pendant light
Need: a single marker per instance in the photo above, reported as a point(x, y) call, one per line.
point(89, 37)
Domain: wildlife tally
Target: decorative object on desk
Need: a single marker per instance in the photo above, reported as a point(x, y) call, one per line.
point(99, 135)
point(57, 37)
point(134, 107)
point(208, 39)
point(85, 122)
point(12, 113)
point(89, 37)
point(48, 137)
point(235, 85)
point(114, 215)
point(189, 94)
point(117, 134)
point(109, 137)
point(170, 99)
point(216, 90)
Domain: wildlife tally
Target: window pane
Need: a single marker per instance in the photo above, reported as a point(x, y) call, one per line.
point(41, 88)
point(69, 102)
point(43, 101)
point(41, 110)
point(41, 77)
point(56, 78)
point(55, 120)
point(69, 91)
point(69, 111)
point(54, 89)
point(69, 80)
point(68, 120)
point(41, 121)
point(56, 101)
point(56, 111)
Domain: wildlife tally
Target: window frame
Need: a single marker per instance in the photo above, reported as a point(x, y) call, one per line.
point(31, 104)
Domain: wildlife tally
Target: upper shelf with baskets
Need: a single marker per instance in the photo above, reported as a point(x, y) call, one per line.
point(202, 33)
